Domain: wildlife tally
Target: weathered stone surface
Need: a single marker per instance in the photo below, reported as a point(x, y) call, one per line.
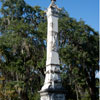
point(53, 97)
point(52, 58)
point(53, 94)
point(52, 88)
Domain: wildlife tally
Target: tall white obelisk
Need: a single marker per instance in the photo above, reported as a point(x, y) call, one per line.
point(52, 89)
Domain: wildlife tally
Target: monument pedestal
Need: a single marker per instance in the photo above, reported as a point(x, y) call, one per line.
point(53, 94)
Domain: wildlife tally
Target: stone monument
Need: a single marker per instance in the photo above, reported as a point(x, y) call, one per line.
point(52, 89)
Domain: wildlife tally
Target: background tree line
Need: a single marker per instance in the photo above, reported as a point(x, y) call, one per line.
point(23, 31)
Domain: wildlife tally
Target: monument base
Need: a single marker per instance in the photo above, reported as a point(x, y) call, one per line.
point(52, 94)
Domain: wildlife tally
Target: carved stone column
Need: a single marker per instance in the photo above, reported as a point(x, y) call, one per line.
point(52, 89)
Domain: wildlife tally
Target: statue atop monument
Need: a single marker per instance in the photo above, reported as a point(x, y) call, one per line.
point(54, 7)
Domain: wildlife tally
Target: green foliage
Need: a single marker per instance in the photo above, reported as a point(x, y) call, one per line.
point(23, 32)
point(20, 45)
point(79, 51)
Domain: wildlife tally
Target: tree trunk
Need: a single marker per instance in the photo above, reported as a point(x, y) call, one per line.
point(93, 91)
point(24, 96)
point(91, 84)
point(76, 92)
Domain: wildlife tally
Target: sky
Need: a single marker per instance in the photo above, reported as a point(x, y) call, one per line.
point(87, 10)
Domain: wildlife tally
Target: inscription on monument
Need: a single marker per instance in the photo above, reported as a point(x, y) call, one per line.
point(55, 42)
